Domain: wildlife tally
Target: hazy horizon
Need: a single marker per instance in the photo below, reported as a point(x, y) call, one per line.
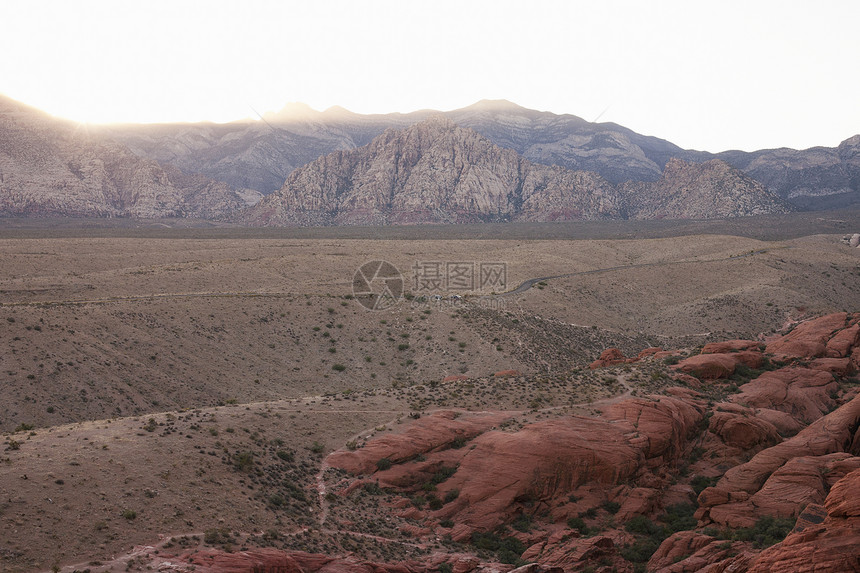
point(771, 74)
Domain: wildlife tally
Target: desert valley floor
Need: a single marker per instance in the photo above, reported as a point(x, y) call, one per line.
point(171, 391)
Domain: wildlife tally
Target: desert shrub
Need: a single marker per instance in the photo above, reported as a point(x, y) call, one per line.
point(507, 549)
point(372, 488)
point(215, 536)
point(383, 464)
point(767, 531)
point(243, 461)
point(523, 523)
point(579, 524)
point(129, 514)
point(640, 551)
point(446, 523)
point(590, 513)
point(338, 367)
point(317, 448)
point(679, 517)
point(699, 483)
point(434, 503)
point(452, 495)
point(611, 506)
point(444, 473)
point(458, 442)
point(642, 525)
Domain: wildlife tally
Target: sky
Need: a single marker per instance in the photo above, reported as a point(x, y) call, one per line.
point(704, 75)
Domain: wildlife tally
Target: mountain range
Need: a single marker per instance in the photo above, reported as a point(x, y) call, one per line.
point(438, 172)
point(50, 167)
point(514, 164)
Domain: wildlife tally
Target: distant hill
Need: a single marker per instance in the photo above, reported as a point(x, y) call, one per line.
point(709, 190)
point(438, 172)
point(260, 154)
point(50, 167)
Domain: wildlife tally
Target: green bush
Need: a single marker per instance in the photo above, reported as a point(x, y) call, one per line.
point(611, 506)
point(523, 523)
point(767, 531)
point(579, 524)
point(643, 526)
point(699, 483)
point(383, 464)
point(243, 461)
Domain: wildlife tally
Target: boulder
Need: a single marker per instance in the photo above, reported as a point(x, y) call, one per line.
point(708, 366)
point(837, 366)
point(742, 431)
point(842, 342)
point(830, 434)
point(820, 546)
point(727, 346)
point(801, 392)
point(608, 357)
point(426, 434)
point(507, 374)
point(809, 339)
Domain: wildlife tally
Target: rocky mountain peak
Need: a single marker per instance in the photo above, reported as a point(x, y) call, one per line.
point(495, 105)
point(433, 172)
point(713, 189)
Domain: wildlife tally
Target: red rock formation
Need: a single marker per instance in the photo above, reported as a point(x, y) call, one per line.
point(743, 431)
point(801, 392)
point(269, 560)
point(727, 346)
point(840, 345)
point(709, 366)
point(427, 434)
point(507, 373)
point(608, 357)
point(808, 339)
point(729, 503)
point(821, 546)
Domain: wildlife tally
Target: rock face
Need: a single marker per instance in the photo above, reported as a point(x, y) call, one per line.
point(614, 490)
point(50, 167)
point(499, 471)
point(817, 178)
point(437, 172)
point(261, 155)
point(828, 545)
point(709, 190)
point(434, 172)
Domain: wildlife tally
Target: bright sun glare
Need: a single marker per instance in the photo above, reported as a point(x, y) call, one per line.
point(740, 76)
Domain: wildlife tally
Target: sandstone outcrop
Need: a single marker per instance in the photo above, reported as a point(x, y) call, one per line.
point(810, 339)
point(827, 545)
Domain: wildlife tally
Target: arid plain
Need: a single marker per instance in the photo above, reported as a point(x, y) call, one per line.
point(137, 371)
